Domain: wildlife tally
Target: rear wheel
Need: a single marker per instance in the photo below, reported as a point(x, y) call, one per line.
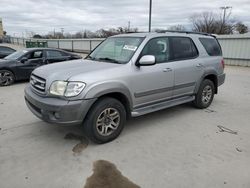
point(205, 95)
point(6, 78)
point(105, 120)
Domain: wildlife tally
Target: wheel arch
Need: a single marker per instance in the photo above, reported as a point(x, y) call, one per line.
point(8, 69)
point(211, 75)
point(120, 97)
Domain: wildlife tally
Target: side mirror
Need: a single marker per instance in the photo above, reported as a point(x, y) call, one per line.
point(24, 59)
point(147, 60)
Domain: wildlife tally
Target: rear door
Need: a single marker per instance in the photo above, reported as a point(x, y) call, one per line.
point(154, 83)
point(188, 67)
point(53, 56)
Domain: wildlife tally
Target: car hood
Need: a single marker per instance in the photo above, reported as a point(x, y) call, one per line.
point(69, 69)
point(4, 62)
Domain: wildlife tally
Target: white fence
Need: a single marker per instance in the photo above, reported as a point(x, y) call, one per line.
point(235, 48)
point(76, 45)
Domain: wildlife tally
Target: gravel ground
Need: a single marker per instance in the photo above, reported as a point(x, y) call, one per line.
point(177, 147)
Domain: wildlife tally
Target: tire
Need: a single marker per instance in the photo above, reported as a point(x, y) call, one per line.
point(205, 95)
point(6, 78)
point(105, 120)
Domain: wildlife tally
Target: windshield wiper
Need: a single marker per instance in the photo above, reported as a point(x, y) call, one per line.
point(90, 57)
point(109, 59)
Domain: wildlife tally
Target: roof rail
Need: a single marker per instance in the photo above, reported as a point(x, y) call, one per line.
point(187, 32)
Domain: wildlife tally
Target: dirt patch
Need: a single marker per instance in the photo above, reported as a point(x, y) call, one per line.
point(238, 149)
point(106, 175)
point(225, 129)
point(209, 110)
point(78, 148)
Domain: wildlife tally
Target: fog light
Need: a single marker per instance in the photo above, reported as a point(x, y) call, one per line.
point(57, 115)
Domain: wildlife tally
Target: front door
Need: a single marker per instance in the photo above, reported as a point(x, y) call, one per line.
point(34, 60)
point(151, 84)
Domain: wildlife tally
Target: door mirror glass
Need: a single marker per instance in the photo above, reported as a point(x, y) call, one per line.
point(147, 60)
point(24, 59)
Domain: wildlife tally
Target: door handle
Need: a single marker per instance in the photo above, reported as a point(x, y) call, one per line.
point(199, 65)
point(167, 70)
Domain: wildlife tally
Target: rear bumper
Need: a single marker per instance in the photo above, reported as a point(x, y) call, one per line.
point(221, 79)
point(55, 110)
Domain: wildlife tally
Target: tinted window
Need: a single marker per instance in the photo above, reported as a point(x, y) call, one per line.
point(183, 48)
point(54, 54)
point(158, 47)
point(212, 46)
point(6, 49)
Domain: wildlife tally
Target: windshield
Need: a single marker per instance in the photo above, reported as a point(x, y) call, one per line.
point(116, 49)
point(16, 55)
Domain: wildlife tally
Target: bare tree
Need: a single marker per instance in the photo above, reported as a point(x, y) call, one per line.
point(241, 28)
point(204, 22)
point(177, 28)
point(212, 23)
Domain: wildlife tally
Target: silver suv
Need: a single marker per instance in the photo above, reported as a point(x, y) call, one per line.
point(127, 76)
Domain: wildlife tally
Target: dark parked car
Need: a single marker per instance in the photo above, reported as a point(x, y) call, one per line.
point(5, 51)
point(20, 64)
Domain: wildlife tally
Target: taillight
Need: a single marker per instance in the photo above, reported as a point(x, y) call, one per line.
point(223, 63)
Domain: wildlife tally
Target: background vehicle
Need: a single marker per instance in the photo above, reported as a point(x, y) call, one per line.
point(20, 64)
point(5, 51)
point(128, 75)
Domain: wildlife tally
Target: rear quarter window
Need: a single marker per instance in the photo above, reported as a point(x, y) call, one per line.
point(212, 46)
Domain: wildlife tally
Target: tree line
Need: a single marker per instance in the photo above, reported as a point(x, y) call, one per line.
point(208, 22)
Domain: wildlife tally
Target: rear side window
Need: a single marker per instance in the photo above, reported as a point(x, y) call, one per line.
point(212, 46)
point(183, 48)
point(54, 54)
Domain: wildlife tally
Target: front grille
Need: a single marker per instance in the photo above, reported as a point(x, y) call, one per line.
point(38, 83)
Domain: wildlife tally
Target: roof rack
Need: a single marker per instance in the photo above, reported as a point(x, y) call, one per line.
point(187, 32)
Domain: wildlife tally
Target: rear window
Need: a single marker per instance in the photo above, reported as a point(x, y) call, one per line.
point(6, 49)
point(212, 46)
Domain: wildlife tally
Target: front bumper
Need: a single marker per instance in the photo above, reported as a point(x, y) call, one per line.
point(55, 110)
point(221, 79)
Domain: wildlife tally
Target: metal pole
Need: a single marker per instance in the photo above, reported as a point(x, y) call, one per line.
point(224, 16)
point(150, 13)
point(128, 26)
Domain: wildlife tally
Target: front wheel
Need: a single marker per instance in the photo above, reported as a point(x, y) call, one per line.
point(6, 78)
point(105, 120)
point(205, 95)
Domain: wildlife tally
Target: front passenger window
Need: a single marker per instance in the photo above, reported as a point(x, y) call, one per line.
point(158, 47)
point(35, 55)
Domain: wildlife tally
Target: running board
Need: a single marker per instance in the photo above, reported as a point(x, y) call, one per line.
point(161, 105)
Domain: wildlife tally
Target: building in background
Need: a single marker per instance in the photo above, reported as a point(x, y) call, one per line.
point(1, 28)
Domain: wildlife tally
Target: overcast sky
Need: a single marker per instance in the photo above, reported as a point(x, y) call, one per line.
point(42, 16)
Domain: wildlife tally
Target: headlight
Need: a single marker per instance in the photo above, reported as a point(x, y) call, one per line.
point(74, 89)
point(58, 88)
point(67, 89)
